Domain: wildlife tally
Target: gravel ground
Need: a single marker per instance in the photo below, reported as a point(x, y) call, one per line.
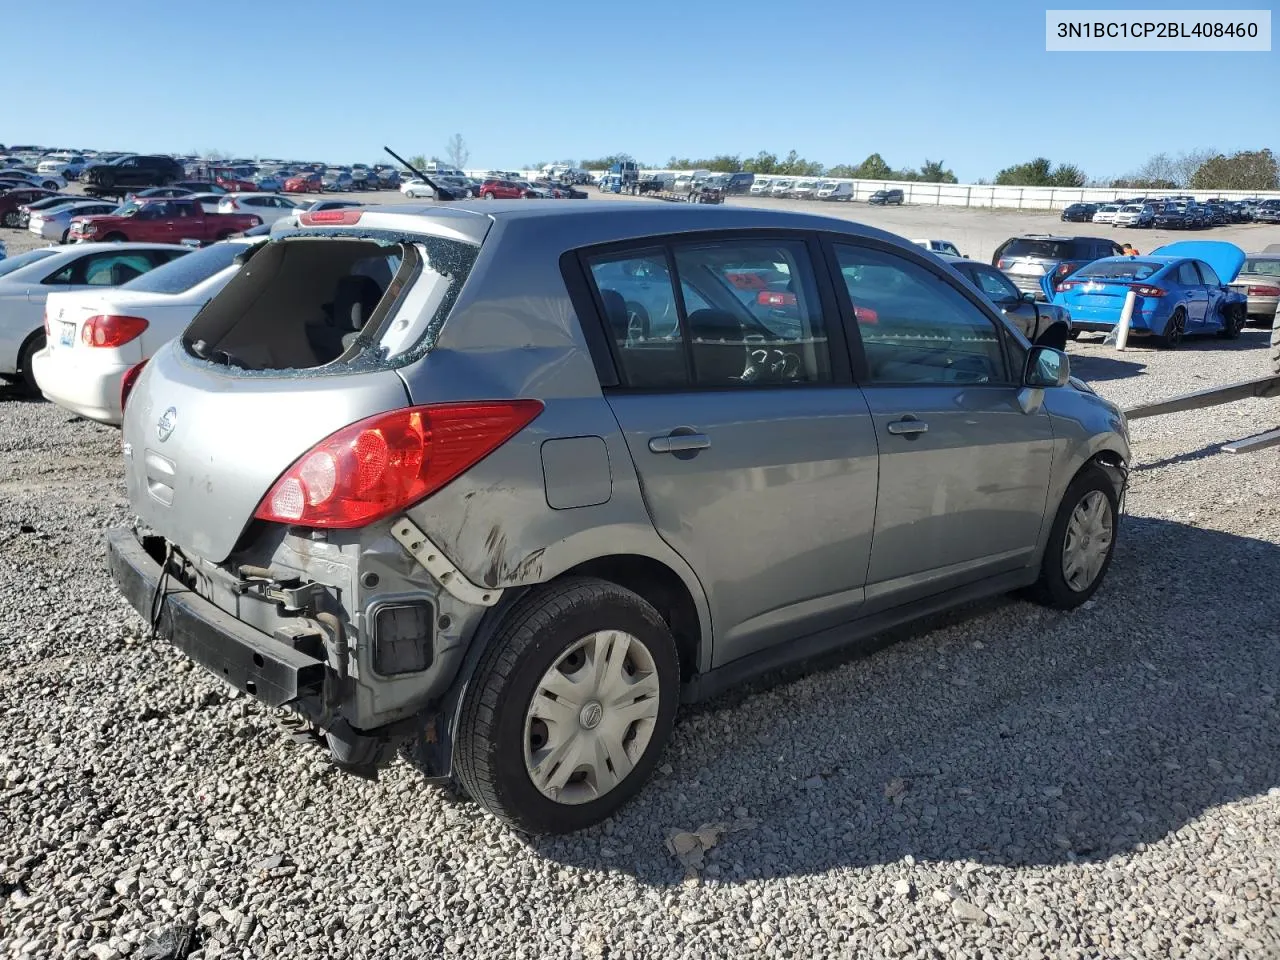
point(1010, 782)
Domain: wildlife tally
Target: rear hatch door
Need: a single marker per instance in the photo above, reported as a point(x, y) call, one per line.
point(205, 444)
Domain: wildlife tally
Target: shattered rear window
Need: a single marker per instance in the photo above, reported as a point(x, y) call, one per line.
point(332, 301)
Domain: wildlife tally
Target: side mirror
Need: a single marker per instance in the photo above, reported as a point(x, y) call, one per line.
point(1029, 297)
point(1046, 367)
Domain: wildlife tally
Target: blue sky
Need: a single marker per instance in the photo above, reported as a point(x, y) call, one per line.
point(970, 84)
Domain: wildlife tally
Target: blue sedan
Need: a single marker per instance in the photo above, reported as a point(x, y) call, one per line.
point(1181, 289)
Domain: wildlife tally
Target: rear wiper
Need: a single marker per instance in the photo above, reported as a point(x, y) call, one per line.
point(201, 349)
point(441, 194)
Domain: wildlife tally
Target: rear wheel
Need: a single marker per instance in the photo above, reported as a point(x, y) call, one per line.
point(1081, 541)
point(487, 195)
point(570, 707)
point(11, 218)
point(1174, 329)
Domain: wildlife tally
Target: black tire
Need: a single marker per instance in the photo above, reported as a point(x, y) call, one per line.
point(1234, 318)
point(11, 218)
point(1174, 330)
point(1275, 345)
point(35, 343)
point(1052, 589)
point(65, 235)
point(489, 758)
point(114, 238)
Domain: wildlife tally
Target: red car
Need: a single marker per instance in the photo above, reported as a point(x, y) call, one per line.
point(229, 181)
point(12, 200)
point(503, 190)
point(160, 221)
point(305, 183)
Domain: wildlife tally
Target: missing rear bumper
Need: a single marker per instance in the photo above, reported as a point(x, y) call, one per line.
point(248, 659)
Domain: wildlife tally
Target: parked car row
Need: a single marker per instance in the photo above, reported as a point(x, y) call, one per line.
point(1177, 213)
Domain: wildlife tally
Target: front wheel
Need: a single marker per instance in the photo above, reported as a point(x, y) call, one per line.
point(570, 707)
point(29, 350)
point(487, 195)
point(11, 218)
point(1234, 318)
point(1081, 541)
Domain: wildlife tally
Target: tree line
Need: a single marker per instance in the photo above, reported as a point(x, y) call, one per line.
point(1195, 170)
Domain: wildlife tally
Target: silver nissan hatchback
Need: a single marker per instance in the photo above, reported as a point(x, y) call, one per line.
point(500, 484)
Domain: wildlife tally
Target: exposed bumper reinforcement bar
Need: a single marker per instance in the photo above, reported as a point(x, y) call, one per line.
point(248, 659)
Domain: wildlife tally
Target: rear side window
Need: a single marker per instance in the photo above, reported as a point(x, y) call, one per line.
point(747, 314)
point(1187, 275)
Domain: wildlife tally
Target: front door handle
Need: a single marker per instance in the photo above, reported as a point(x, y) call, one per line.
point(679, 442)
point(908, 427)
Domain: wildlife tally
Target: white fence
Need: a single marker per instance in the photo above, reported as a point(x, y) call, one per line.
point(989, 195)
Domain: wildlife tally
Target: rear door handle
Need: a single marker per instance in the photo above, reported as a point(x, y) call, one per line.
point(908, 427)
point(679, 442)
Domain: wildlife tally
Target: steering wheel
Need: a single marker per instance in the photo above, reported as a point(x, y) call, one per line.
point(775, 364)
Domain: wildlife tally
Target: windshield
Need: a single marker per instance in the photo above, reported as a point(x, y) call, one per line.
point(180, 275)
point(1108, 208)
point(23, 260)
point(1120, 270)
point(1262, 267)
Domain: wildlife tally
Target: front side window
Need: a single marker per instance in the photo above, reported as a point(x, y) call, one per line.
point(915, 327)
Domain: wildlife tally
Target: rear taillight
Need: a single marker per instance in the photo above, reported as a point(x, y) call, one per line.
point(128, 380)
point(771, 298)
point(111, 330)
point(1002, 264)
point(865, 315)
point(1254, 291)
point(346, 217)
point(1144, 291)
point(1065, 268)
point(373, 468)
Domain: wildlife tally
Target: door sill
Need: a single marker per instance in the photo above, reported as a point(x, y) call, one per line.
point(848, 634)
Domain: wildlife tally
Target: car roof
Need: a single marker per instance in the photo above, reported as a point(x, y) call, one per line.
point(605, 221)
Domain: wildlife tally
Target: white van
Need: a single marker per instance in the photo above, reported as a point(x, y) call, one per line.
point(831, 190)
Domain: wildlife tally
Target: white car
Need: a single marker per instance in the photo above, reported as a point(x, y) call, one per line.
point(1134, 215)
point(760, 185)
point(1107, 213)
point(68, 165)
point(939, 246)
point(97, 336)
point(415, 188)
point(54, 223)
point(27, 279)
point(269, 206)
point(46, 181)
point(831, 190)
